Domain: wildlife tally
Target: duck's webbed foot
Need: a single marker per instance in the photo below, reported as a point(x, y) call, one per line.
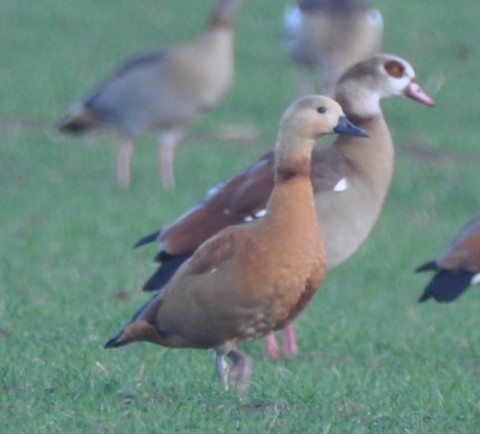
point(240, 372)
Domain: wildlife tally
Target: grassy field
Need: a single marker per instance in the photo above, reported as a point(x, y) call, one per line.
point(372, 360)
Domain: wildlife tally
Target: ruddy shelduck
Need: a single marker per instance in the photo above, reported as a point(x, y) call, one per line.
point(248, 280)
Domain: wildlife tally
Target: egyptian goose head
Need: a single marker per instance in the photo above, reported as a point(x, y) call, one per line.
point(361, 88)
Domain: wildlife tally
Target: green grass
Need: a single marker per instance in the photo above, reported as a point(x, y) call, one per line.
point(372, 360)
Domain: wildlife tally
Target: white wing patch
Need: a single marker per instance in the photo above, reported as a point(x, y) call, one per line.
point(476, 279)
point(214, 190)
point(292, 20)
point(260, 213)
point(375, 18)
point(341, 185)
point(257, 215)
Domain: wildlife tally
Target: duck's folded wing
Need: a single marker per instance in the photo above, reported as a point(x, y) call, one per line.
point(212, 254)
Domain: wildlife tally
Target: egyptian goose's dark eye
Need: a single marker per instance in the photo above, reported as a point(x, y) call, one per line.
point(321, 109)
point(395, 69)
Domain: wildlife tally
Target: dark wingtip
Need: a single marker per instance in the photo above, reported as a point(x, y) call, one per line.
point(71, 126)
point(112, 343)
point(424, 297)
point(157, 280)
point(428, 266)
point(115, 342)
point(150, 238)
point(169, 265)
point(447, 285)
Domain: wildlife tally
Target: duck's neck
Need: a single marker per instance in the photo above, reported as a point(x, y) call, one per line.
point(292, 196)
point(292, 159)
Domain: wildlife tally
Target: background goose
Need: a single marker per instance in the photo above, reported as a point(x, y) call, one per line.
point(326, 37)
point(162, 90)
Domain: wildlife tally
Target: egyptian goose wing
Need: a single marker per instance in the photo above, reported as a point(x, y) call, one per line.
point(455, 267)
point(464, 251)
point(246, 193)
point(237, 200)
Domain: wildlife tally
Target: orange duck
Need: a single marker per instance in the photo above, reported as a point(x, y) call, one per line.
point(248, 280)
point(351, 179)
point(457, 267)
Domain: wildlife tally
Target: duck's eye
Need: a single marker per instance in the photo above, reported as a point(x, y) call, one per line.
point(321, 109)
point(395, 69)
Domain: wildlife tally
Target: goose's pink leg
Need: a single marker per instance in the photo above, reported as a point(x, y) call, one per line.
point(124, 157)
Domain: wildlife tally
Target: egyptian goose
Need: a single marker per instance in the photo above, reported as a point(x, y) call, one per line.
point(350, 179)
point(163, 90)
point(457, 267)
point(329, 36)
point(250, 279)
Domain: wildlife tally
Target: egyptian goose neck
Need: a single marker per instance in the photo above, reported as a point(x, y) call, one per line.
point(358, 102)
point(223, 15)
point(372, 158)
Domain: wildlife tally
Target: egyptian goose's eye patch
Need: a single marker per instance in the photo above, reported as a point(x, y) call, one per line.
point(321, 109)
point(395, 69)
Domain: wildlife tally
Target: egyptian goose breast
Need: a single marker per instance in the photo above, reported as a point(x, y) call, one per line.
point(250, 279)
point(329, 36)
point(161, 90)
point(350, 178)
point(457, 267)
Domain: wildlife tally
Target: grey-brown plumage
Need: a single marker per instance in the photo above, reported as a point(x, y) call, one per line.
point(326, 37)
point(162, 90)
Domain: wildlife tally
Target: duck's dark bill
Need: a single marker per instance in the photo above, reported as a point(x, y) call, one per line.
point(345, 126)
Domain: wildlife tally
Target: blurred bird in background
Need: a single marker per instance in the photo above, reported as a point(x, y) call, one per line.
point(162, 90)
point(326, 37)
